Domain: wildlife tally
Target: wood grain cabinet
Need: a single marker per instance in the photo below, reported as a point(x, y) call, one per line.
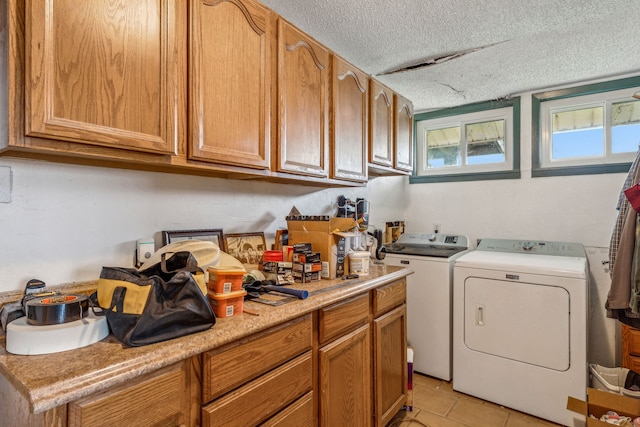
point(265, 377)
point(345, 370)
point(341, 365)
point(390, 132)
point(303, 107)
point(349, 117)
point(232, 51)
point(630, 348)
point(105, 73)
point(390, 351)
point(363, 358)
point(381, 125)
point(168, 397)
point(208, 87)
point(403, 134)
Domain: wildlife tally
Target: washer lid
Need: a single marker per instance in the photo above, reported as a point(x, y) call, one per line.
point(549, 265)
point(428, 244)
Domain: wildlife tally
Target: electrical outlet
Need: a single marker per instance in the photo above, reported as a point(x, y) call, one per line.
point(5, 184)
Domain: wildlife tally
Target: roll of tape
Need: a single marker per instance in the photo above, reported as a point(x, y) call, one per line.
point(56, 309)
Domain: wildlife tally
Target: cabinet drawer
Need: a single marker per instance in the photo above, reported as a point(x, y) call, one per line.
point(633, 341)
point(633, 363)
point(342, 317)
point(388, 297)
point(230, 366)
point(160, 398)
point(262, 398)
point(299, 414)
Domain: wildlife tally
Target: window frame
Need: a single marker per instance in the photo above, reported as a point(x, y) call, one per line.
point(539, 168)
point(482, 110)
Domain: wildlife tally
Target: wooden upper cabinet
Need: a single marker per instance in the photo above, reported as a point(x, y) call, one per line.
point(107, 73)
point(231, 82)
point(381, 125)
point(403, 134)
point(349, 116)
point(303, 77)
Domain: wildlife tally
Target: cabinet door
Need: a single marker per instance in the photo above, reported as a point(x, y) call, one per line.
point(348, 121)
point(390, 364)
point(163, 398)
point(403, 134)
point(381, 125)
point(345, 380)
point(232, 53)
point(303, 76)
point(106, 73)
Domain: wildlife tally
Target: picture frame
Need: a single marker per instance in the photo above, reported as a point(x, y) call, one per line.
point(214, 235)
point(246, 247)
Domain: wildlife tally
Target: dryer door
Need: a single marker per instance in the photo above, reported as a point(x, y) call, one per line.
point(524, 322)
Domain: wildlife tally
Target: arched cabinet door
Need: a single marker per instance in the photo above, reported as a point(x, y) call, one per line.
point(231, 91)
point(403, 134)
point(349, 116)
point(303, 76)
point(381, 125)
point(106, 73)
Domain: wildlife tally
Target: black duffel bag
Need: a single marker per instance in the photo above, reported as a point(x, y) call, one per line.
point(165, 301)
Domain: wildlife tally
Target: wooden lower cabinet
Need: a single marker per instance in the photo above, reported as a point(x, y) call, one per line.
point(265, 375)
point(390, 376)
point(162, 398)
point(342, 365)
point(264, 397)
point(345, 380)
point(630, 348)
point(362, 358)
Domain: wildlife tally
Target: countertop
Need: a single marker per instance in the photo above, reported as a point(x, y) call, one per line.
point(51, 380)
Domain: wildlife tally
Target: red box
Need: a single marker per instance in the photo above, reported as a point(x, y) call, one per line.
point(227, 305)
point(223, 280)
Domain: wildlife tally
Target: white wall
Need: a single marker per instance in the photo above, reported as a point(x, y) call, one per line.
point(64, 222)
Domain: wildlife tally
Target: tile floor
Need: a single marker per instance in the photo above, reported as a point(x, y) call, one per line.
point(436, 404)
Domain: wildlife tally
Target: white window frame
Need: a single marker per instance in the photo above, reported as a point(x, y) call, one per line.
point(575, 95)
point(460, 121)
point(605, 100)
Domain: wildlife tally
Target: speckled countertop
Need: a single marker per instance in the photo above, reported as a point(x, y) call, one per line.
point(50, 380)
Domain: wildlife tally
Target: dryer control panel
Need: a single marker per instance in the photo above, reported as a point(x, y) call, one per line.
point(532, 247)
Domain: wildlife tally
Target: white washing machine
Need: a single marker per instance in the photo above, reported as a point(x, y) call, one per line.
point(429, 294)
point(520, 326)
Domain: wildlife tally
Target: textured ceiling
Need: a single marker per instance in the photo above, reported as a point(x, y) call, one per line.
point(498, 47)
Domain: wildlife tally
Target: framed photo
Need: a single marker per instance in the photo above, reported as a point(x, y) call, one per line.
point(245, 247)
point(214, 235)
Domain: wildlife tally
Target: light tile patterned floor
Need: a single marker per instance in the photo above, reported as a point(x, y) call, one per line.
point(436, 404)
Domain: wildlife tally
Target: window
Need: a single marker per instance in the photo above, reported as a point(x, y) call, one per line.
point(472, 142)
point(586, 130)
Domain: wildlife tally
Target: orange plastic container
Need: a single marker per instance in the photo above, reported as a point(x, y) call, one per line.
point(227, 305)
point(223, 280)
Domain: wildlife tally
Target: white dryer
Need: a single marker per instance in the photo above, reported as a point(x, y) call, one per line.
point(520, 326)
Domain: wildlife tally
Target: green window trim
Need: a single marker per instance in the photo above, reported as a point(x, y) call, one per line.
point(514, 173)
point(536, 133)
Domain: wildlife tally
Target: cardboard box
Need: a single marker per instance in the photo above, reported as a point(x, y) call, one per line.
point(599, 402)
point(305, 277)
point(324, 237)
